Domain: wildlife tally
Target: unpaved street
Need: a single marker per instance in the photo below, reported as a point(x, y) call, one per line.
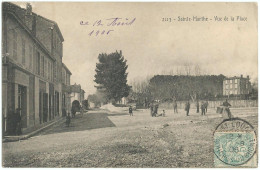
point(99, 139)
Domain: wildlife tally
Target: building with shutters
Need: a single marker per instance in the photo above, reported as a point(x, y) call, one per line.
point(236, 86)
point(32, 51)
point(66, 98)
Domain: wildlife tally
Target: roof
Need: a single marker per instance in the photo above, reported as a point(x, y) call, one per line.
point(235, 77)
point(18, 13)
point(22, 12)
point(66, 68)
point(54, 23)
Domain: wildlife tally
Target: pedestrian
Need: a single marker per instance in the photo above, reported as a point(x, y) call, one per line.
point(206, 106)
point(175, 106)
point(18, 122)
point(68, 118)
point(187, 108)
point(81, 111)
point(151, 109)
point(227, 105)
point(202, 108)
point(155, 110)
point(131, 110)
point(198, 106)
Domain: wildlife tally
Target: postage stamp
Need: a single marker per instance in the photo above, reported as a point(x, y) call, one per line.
point(235, 144)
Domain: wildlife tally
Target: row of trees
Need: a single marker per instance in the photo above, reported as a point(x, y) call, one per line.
point(111, 78)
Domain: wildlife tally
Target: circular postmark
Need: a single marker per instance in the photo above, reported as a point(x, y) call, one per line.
point(234, 141)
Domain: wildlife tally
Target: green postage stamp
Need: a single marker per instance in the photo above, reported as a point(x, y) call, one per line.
point(235, 144)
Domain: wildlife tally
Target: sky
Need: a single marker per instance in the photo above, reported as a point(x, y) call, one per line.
point(152, 46)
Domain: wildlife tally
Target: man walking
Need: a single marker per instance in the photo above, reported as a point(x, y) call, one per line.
point(206, 106)
point(187, 108)
point(202, 109)
point(198, 106)
point(175, 106)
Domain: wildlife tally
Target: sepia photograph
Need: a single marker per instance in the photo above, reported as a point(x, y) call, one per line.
point(129, 84)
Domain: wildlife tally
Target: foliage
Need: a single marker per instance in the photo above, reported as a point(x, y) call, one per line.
point(111, 75)
point(97, 99)
point(186, 87)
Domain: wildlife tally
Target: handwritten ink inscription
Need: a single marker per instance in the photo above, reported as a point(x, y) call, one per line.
point(107, 26)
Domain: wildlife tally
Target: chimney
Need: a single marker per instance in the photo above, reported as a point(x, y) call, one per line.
point(248, 77)
point(241, 75)
point(28, 9)
point(34, 25)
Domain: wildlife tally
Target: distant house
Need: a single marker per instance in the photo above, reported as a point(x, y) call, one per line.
point(77, 93)
point(123, 100)
point(236, 86)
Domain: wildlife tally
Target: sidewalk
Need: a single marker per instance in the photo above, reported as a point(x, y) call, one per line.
point(32, 132)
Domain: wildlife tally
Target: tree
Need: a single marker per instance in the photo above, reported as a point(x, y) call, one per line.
point(111, 75)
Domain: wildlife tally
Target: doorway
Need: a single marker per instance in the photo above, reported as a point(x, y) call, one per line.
point(22, 104)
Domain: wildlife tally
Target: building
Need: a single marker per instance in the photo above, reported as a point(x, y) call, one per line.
point(31, 69)
point(236, 86)
point(66, 99)
point(77, 93)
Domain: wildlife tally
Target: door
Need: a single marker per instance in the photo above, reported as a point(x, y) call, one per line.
point(22, 104)
point(40, 107)
point(45, 107)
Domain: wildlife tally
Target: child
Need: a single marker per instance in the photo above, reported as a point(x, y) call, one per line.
point(131, 111)
point(68, 120)
point(163, 113)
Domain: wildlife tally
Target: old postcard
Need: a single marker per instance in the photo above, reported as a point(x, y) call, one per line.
point(130, 84)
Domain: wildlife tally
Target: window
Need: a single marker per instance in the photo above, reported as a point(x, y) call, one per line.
point(230, 86)
point(54, 69)
point(236, 86)
point(42, 66)
point(45, 71)
point(231, 92)
point(235, 80)
point(15, 44)
point(235, 92)
point(31, 56)
point(38, 63)
point(51, 71)
point(226, 81)
point(68, 79)
point(23, 51)
point(227, 86)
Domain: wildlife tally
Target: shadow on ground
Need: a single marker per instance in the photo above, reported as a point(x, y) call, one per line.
point(87, 122)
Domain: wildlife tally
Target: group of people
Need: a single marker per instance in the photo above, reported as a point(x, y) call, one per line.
point(203, 107)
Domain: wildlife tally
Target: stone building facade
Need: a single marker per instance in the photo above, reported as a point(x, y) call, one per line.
point(236, 86)
point(66, 98)
point(32, 50)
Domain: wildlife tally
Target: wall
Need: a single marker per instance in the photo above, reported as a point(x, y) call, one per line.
point(213, 104)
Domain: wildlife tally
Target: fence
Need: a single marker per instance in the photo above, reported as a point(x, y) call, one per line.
point(213, 104)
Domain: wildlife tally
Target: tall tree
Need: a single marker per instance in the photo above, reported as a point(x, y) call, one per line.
point(111, 75)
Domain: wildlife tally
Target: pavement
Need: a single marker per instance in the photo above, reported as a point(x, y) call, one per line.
point(31, 133)
point(102, 139)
